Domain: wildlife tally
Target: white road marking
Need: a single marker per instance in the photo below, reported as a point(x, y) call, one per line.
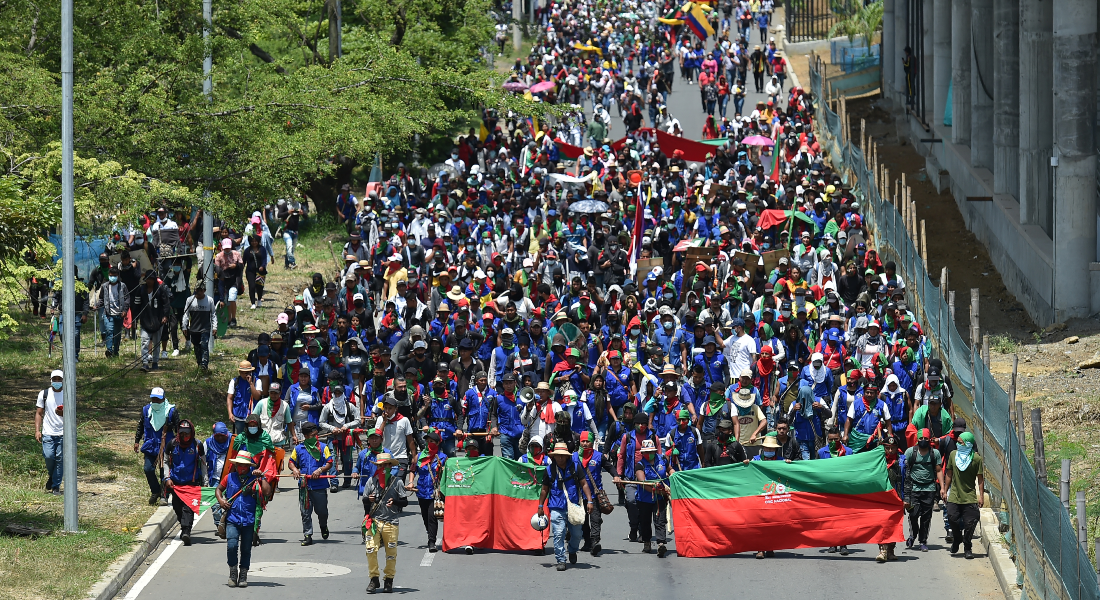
point(424, 562)
point(154, 568)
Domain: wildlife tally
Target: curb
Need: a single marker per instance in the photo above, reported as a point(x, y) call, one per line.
point(1003, 565)
point(155, 529)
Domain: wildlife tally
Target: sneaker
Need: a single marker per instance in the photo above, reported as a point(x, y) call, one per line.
point(253, 307)
point(561, 567)
point(647, 547)
point(154, 367)
point(949, 538)
point(324, 533)
point(844, 551)
point(967, 554)
point(144, 368)
point(909, 542)
point(596, 550)
point(308, 541)
point(661, 550)
point(832, 549)
point(373, 585)
point(955, 547)
point(881, 558)
point(633, 536)
point(242, 580)
point(232, 576)
point(469, 550)
point(432, 547)
point(175, 352)
point(769, 554)
point(164, 354)
point(186, 537)
point(152, 500)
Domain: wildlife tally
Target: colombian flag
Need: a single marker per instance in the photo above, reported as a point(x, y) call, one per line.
point(696, 19)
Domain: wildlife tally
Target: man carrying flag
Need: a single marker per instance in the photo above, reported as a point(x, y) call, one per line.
point(186, 469)
point(238, 494)
point(380, 525)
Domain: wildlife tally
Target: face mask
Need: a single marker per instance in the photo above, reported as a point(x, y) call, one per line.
point(176, 268)
point(924, 444)
point(635, 331)
point(490, 274)
point(291, 361)
point(56, 385)
point(668, 295)
point(113, 278)
point(253, 430)
point(833, 444)
point(668, 325)
point(768, 454)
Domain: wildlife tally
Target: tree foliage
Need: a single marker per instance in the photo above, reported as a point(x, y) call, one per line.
point(862, 21)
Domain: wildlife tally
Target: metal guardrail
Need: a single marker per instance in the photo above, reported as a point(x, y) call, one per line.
point(1043, 539)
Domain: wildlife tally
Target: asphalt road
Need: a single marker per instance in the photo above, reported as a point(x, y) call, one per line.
point(622, 570)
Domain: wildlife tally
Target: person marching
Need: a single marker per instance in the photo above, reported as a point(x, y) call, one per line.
point(429, 471)
point(277, 421)
point(686, 440)
point(217, 451)
point(964, 492)
point(156, 428)
point(922, 473)
point(652, 503)
point(592, 462)
point(259, 445)
point(366, 464)
point(625, 463)
point(312, 459)
point(338, 418)
point(383, 491)
point(186, 469)
point(238, 494)
point(561, 486)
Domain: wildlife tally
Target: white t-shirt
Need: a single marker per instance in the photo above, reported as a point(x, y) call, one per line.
point(52, 423)
point(394, 440)
point(739, 355)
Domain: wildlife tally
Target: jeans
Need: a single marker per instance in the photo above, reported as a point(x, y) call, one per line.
point(150, 469)
point(112, 326)
point(738, 105)
point(238, 535)
point(200, 341)
point(447, 446)
point(313, 501)
point(769, 412)
point(806, 447)
point(782, 80)
point(558, 524)
point(722, 102)
point(710, 107)
point(631, 502)
point(385, 537)
point(652, 520)
point(344, 454)
point(289, 239)
point(509, 447)
point(150, 347)
point(51, 450)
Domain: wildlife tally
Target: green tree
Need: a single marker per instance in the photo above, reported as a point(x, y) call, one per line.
point(863, 22)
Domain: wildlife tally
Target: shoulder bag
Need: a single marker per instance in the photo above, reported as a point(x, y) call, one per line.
point(601, 496)
point(573, 512)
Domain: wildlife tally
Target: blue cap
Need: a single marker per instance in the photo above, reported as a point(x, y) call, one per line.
point(552, 212)
point(263, 351)
point(710, 339)
point(738, 322)
point(220, 427)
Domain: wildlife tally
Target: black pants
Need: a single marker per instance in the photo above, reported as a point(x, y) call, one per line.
point(651, 520)
point(920, 516)
point(255, 281)
point(200, 340)
point(39, 293)
point(484, 444)
point(173, 329)
point(184, 514)
point(758, 79)
point(593, 523)
point(427, 512)
point(632, 514)
point(963, 518)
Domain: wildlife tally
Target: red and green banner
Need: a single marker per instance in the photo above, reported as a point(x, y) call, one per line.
point(773, 505)
point(489, 502)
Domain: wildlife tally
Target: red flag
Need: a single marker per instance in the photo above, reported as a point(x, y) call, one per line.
point(190, 495)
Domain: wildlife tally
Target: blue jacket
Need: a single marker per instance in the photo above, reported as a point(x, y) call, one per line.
point(242, 512)
point(150, 436)
point(304, 461)
point(242, 398)
point(428, 476)
point(366, 467)
point(185, 463)
point(656, 470)
point(477, 407)
point(714, 367)
point(570, 477)
point(508, 421)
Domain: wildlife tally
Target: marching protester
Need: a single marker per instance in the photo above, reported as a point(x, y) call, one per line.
point(185, 466)
point(562, 484)
point(964, 491)
point(383, 489)
point(238, 493)
point(156, 429)
point(309, 461)
point(49, 429)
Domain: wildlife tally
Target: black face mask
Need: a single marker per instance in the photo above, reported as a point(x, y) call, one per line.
point(924, 444)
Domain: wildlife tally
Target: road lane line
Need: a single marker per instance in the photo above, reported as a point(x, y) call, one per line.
point(424, 562)
point(154, 568)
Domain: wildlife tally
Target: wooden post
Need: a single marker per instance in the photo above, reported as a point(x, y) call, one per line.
point(923, 245)
point(951, 303)
point(974, 296)
point(1040, 450)
point(943, 282)
point(985, 348)
point(1064, 483)
point(1020, 435)
point(1082, 522)
point(863, 140)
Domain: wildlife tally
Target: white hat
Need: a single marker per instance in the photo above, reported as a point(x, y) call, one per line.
point(817, 356)
point(57, 373)
point(527, 264)
point(395, 258)
point(357, 296)
point(479, 274)
point(157, 393)
point(507, 331)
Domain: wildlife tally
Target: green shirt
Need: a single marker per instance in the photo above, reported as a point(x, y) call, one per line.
point(921, 421)
point(921, 469)
point(964, 483)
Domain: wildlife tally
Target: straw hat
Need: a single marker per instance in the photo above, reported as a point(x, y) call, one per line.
point(744, 398)
point(771, 442)
point(244, 457)
point(245, 366)
point(385, 458)
point(561, 449)
point(455, 293)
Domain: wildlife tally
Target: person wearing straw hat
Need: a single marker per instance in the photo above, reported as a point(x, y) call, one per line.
point(562, 484)
point(309, 461)
point(749, 419)
point(238, 494)
point(384, 490)
point(652, 501)
point(242, 395)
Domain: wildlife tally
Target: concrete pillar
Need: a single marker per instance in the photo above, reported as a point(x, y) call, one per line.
point(960, 71)
point(886, 48)
point(901, 40)
point(981, 85)
point(926, 81)
point(1036, 96)
point(941, 35)
point(1006, 97)
point(1075, 26)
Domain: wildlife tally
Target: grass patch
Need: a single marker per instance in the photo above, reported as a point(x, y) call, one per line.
point(1003, 344)
point(112, 486)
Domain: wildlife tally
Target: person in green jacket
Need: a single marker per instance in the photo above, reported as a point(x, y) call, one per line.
point(964, 491)
point(940, 427)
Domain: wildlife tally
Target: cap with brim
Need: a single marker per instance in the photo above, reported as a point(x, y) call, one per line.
point(385, 458)
point(959, 425)
point(648, 446)
point(725, 424)
point(243, 457)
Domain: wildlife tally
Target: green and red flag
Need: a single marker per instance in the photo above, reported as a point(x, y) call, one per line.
point(489, 502)
point(773, 505)
point(197, 498)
